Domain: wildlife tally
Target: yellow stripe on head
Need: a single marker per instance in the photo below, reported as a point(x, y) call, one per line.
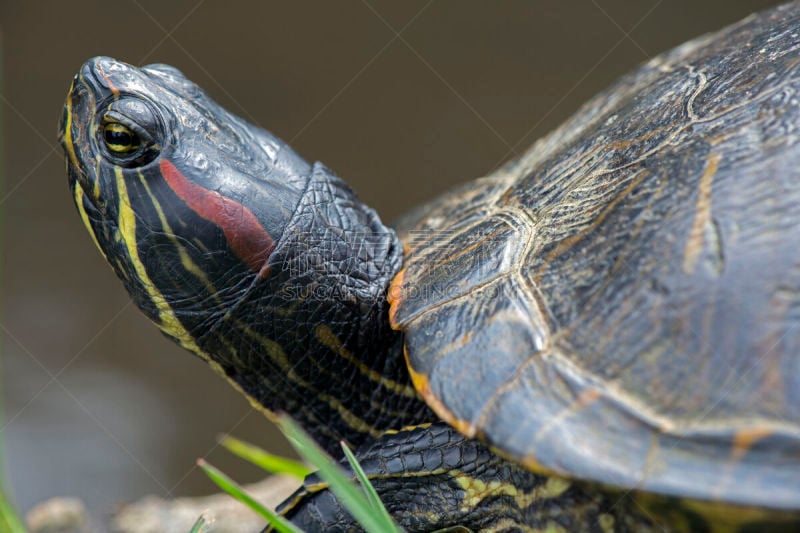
point(167, 320)
point(186, 260)
point(68, 141)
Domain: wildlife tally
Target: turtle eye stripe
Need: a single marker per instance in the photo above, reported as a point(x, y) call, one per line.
point(120, 139)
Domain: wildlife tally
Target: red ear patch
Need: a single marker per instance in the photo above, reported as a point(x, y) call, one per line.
point(246, 237)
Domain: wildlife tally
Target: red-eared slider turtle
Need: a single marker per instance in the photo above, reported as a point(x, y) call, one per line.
point(620, 306)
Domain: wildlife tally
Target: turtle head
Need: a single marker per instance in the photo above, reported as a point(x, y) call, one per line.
point(185, 200)
point(253, 259)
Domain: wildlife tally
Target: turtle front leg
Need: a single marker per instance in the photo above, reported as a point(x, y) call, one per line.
point(430, 477)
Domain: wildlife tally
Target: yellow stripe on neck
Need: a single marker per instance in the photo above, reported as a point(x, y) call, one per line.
point(329, 339)
point(78, 192)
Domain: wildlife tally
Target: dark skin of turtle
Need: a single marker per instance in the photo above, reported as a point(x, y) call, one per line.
point(181, 218)
point(618, 306)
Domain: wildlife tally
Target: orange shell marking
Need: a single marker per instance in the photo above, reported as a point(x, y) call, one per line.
point(423, 387)
point(394, 297)
point(745, 439)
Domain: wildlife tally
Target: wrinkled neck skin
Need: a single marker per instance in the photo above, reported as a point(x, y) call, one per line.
point(311, 336)
point(267, 267)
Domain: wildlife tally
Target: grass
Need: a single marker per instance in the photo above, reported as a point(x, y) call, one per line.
point(359, 498)
point(9, 520)
point(234, 489)
point(200, 526)
point(264, 460)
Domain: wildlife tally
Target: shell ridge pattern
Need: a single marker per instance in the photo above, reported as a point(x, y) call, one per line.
point(631, 406)
point(646, 415)
point(764, 95)
point(579, 179)
point(702, 82)
point(635, 273)
point(526, 293)
point(516, 217)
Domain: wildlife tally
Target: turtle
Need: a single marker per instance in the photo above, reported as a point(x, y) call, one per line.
point(601, 335)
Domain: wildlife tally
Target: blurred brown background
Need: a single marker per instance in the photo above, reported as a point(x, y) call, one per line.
point(97, 403)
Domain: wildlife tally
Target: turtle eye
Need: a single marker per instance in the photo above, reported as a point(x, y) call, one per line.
point(120, 139)
point(130, 132)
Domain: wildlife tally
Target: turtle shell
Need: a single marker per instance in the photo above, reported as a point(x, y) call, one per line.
point(622, 303)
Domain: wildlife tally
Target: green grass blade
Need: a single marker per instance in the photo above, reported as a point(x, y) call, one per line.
point(372, 496)
point(9, 522)
point(263, 459)
point(199, 526)
point(345, 489)
point(234, 489)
